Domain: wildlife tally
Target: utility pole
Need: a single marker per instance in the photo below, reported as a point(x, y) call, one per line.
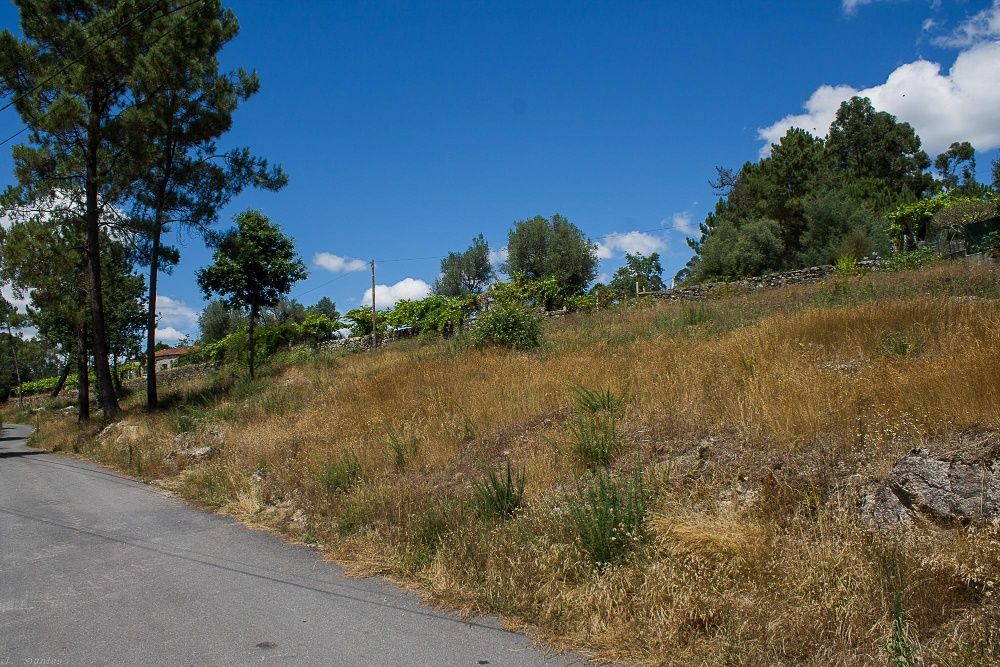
point(374, 321)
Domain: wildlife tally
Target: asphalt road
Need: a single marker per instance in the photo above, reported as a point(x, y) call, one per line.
point(98, 569)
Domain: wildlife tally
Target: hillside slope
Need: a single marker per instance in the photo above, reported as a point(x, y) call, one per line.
point(739, 436)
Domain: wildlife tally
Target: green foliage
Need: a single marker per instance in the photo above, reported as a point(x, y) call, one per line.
point(466, 272)
point(911, 259)
point(434, 313)
point(608, 515)
point(325, 306)
point(551, 248)
point(847, 266)
point(646, 271)
point(254, 266)
point(499, 495)
point(544, 293)
point(508, 325)
point(595, 428)
point(990, 244)
point(812, 200)
point(340, 475)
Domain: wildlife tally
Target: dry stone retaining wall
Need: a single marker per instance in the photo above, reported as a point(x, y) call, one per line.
point(771, 280)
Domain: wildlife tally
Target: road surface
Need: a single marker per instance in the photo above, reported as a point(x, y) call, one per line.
point(98, 569)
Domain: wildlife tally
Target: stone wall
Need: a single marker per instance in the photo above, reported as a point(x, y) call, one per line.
point(171, 376)
point(797, 277)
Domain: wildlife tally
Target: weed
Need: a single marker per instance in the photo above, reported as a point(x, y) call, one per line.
point(899, 345)
point(401, 448)
point(595, 428)
point(609, 516)
point(340, 475)
point(694, 314)
point(499, 495)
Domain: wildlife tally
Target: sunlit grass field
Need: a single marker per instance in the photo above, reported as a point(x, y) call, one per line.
point(673, 484)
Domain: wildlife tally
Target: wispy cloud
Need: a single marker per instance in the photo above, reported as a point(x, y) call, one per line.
point(683, 223)
point(338, 264)
point(981, 26)
point(168, 335)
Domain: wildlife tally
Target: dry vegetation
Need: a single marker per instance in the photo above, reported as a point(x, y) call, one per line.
point(750, 426)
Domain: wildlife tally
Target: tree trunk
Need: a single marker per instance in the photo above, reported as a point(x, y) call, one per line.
point(251, 343)
point(17, 366)
point(106, 390)
point(152, 400)
point(83, 381)
point(62, 377)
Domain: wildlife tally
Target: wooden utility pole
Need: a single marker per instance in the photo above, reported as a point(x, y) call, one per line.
point(374, 321)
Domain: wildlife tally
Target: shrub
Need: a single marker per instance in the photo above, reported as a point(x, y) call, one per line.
point(911, 259)
point(990, 244)
point(609, 516)
point(499, 495)
point(507, 324)
point(337, 476)
point(847, 267)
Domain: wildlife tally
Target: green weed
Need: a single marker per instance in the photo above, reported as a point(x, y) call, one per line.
point(499, 495)
point(609, 516)
point(340, 475)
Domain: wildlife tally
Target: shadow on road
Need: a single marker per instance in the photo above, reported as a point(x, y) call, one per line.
point(8, 455)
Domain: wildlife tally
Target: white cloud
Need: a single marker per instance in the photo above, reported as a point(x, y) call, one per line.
point(338, 264)
point(603, 278)
point(631, 242)
point(851, 6)
point(960, 105)
point(386, 296)
point(682, 222)
point(498, 256)
point(168, 335)
point(175, 313)
point(979, 27)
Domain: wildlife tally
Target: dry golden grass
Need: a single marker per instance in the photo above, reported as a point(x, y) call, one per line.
point(758, 418)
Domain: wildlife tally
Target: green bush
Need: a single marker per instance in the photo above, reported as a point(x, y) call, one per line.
point(341, 475)
point(911, 259)
point(499, 495)
point(609, 516)
point(506, 324)
point(990, 244)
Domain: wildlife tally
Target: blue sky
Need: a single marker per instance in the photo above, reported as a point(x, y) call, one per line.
point(408, 128)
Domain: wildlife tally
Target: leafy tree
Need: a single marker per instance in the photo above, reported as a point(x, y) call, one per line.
point(838, 226)
point(216, 321)
point(466, 272)
point(996, 176)
point(554, 247)
point(183, 104)
point(284, 312)
point(646, 271)
point(957, 167)
point(73, 96)
point(254, 266)
point(739, 251)
point(43, 259)
point(865, 143)
point(325, 307)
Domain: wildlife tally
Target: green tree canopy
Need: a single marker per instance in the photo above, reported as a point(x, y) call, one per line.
point(465, 272)
point(551, 247)
point(646, 271)
point(254, 266)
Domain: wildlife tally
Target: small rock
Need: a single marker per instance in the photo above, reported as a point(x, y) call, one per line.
point(202, 453)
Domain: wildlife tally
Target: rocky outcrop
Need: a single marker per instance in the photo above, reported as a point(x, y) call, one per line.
point(956, 484)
